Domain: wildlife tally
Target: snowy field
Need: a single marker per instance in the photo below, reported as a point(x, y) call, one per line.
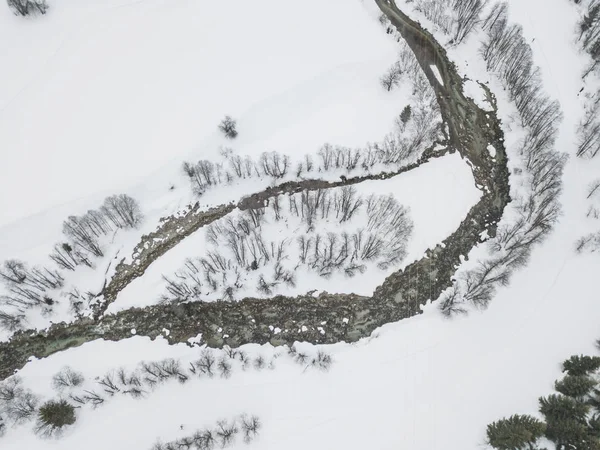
point(425, 383)
point(102, 94)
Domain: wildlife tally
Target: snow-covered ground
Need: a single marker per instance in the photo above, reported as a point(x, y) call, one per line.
point(101, 94)
point(425, 383)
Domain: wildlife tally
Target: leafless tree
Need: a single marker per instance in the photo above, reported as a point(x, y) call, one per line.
point(250, 427)
point(22, 407)
point(228, 127)
point(122, 210)
point(275, 165)
point(206, 364)
point(67, 378)
point(11, 321)
point(28, 7)
point(467, 15)
point(392, 77)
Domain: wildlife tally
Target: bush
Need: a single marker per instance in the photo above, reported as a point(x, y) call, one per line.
point(54, 416)
point(581, 365)
point(22, 407)
point(28, 7)
point(575, 386)
point(227, 126)
point(66, 378)
point(516, 432)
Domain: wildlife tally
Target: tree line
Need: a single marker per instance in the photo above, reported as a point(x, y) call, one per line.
point(509, 56)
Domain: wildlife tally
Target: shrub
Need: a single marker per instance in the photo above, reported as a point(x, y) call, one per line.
point(66, 378)
point(228, 127)
point(575, 386)
point(22, 407)
point(28, 7)
point(581, 365)
point(54, 416)
point(516, 432)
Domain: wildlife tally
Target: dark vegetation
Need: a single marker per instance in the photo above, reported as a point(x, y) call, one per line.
point(54, 416)
point(571, 417)
point(28, 7)
point(228, 127)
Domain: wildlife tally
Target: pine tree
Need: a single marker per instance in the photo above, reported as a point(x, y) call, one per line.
point(515, 433)
point(581, 365)
point(567, 426)
point(576, 386)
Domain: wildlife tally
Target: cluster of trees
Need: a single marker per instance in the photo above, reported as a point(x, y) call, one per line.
point(589, 33)
point(456, 18)
point(239, 244)
point(28, 7)
point(571, 417)
point(27, 287)
point(222, 435)
point(507, 53)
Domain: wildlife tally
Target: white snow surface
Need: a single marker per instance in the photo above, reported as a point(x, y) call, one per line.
point(425, 383)
point(99, 94)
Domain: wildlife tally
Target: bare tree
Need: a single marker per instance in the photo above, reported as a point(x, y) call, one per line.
point(467, 16)
point(250, 427)
point(228, 127)
point(392, 77)
point(67, 378)
point(28, 7)
point(122, 210)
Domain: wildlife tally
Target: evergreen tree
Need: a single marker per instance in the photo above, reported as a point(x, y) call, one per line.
point(581, 365)
point(515, 433)
point(594, 426)
point(576, 386)
point(566, 423)
point(560, 407)
point(54, 416)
